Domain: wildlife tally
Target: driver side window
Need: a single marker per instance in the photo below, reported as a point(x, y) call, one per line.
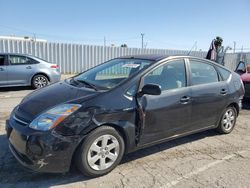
point(171, 75)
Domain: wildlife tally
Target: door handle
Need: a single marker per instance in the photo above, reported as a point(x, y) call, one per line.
point(1, 69)
point(185, 99)
point(223, 91)
point(29, 67)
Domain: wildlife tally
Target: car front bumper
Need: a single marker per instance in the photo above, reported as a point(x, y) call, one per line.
point(41, 151)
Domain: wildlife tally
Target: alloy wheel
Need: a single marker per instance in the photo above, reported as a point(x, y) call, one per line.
point(103, 152)
point(40, 81)
point(228, 119)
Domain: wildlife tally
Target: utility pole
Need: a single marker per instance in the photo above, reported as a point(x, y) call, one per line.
point(234, 46)
point(142, 42)
point(34, 37)
point(104, 41)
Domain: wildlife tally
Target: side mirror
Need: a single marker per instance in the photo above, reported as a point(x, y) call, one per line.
point(151, 89)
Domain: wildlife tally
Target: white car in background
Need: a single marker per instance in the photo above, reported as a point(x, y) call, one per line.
point(26, 70)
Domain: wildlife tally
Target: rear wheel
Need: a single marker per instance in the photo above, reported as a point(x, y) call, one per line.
point(228, 120)
point(100, 152)
point(39, 81)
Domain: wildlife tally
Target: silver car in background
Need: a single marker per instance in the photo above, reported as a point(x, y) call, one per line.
point(26, 70)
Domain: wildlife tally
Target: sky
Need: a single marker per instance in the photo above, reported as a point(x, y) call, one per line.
point(168, 24)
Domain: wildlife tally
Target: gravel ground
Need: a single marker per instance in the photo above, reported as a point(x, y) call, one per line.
point(202, 160)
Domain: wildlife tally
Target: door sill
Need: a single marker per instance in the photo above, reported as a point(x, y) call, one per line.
point(175, 137)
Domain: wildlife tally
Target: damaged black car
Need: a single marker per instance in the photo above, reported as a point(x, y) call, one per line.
point(120, 106)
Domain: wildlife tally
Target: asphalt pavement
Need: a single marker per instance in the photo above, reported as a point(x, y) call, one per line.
point(205, 159)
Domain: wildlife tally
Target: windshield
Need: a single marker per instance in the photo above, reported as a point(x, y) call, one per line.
point(111, 73)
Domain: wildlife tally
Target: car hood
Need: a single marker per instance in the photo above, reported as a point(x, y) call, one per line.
point(50, 96)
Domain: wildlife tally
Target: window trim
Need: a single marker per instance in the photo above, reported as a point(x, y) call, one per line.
point(202, 61)
point(11, 64)
point(141, 82)
point(220, 74)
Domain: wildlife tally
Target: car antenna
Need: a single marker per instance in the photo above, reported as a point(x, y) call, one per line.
point(195, 45)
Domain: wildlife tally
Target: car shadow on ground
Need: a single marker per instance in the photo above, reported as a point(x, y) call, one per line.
point(246, 104)
point(11, 172)
point(19, 88)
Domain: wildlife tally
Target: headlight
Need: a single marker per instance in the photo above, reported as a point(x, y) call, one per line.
point(53, 117)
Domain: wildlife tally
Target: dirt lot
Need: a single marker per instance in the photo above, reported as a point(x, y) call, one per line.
point(202, 160)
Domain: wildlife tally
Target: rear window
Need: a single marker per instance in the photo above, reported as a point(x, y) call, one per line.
point(224, 73)
point(39, 59)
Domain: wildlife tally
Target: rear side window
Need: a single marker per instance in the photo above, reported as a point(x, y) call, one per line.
point(18, 60)
point(202, 73)
point(224, 73)
point(32, 61)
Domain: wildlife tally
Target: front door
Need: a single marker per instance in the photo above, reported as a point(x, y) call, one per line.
point(20, 70)
point(3, 71)
point(167, 114)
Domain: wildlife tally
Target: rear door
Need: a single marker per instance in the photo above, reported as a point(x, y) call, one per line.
point(20, 70)
point(209, 94)
point(3, 70)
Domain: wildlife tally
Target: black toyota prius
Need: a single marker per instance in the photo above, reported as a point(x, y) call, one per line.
point(120, 106)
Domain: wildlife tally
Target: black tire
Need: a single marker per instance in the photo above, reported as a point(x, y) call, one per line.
point(222, 126)
point(81, 155)
point(39, 81)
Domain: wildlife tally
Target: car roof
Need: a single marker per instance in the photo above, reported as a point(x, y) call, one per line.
point(158, 57)
point(27, 55)
point(152, 57)
point(8, 53)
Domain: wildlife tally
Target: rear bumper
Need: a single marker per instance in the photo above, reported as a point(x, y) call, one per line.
point(41, 152)
point(55, 77)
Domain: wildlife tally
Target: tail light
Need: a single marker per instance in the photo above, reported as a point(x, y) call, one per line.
point(54, 66)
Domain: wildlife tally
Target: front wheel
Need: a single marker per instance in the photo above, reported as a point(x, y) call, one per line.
point(228, 120)
point(100, 152)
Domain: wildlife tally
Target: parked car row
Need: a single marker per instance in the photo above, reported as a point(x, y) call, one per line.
point(120, 106)
point(243, 69)
point(26, 70)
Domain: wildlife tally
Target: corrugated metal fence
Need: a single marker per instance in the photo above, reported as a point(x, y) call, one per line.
point(74, 58)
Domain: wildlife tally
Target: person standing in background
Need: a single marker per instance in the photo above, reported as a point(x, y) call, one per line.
point(215, 50)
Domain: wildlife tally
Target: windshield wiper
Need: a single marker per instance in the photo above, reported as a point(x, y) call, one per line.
point(72, 81)
point(87, 83)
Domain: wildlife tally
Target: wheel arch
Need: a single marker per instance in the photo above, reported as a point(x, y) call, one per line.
point(236, 106)
point(121, 131)
point(40, 73)
point(125, 131)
